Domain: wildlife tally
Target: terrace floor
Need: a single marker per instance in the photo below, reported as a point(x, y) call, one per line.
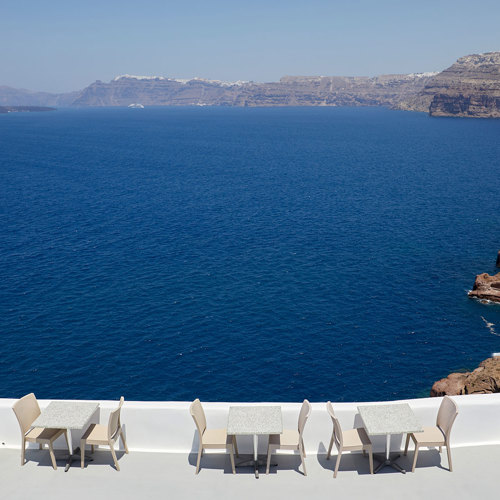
point(162, 475)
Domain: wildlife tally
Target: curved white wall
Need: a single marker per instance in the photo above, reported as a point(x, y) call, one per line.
point(168, 426)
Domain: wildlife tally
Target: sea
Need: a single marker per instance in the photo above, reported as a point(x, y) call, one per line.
point(244, 254)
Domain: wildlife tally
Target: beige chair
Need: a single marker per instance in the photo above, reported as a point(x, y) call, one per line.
point(107, 435)
point(27, 411)
point(350, 440)
point(291, 439)
point(438, 435)
point(214, 439)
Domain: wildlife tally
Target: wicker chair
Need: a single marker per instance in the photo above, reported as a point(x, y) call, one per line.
point(211, 438)
point(438, 435)
point(27, 411)
point(106, 435)
point(350, 440)
point(291, 439)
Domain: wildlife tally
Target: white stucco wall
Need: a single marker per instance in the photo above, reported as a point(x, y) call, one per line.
point(168, 426)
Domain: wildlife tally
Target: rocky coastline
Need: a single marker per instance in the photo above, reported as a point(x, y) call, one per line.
point(24, 109)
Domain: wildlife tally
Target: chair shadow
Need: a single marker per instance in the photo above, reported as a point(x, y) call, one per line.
point(99, 457)
point(349, 462)
point(356, 462)
point(213, 461)
point(220, 460)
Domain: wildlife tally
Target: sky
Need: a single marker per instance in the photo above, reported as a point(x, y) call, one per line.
point(59, 46)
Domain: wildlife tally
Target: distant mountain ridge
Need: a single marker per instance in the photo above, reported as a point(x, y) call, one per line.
point(469, 88)
point(21, 97)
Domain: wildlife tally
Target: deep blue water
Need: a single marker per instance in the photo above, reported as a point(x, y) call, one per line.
point(244, 254)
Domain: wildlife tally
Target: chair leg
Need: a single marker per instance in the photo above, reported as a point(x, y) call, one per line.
point(415, 458)
point(52, 456)
point(407, 443)
point(231, 456)
point(82, 452)
point(440, 449)
point(23, 450)
point(330, 449)
point(337, 463)
point(370, 458)
point(199, 459)
point(40, 446)
point(303, 447)
point(111, 446)
point(235, 444)
point(448, 451)
point(92, 448)
point(269, 453)
point(303, 458)
point(123, 441)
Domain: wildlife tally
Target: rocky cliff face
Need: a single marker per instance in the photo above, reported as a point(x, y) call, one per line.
point(468, 88)
point(385, 90)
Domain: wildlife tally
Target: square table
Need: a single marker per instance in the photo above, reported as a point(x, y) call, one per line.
point(389, 419)
point(69, 415)
point(254, 421)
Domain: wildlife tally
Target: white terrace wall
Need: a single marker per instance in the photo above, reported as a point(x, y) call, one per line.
point(168, 426)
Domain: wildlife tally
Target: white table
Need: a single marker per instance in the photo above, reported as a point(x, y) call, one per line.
point(389, 419)
point(67, 415)
point(254, 421)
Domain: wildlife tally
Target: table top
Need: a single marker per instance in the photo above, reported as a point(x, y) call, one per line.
point(66, 415)
point(389, 419)
point(246, 420)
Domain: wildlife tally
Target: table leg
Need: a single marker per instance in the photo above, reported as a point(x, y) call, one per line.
point(255, 455)
point(73, 454)
point(387, 460)
point(70, 449)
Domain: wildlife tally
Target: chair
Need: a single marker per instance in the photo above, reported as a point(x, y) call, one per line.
point(291, 439)
point(215, 439)
point(350, 440)
point(438, 435)
point(108, 435)
point(27, 411)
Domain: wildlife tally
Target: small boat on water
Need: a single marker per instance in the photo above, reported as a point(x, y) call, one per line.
point(136, 105)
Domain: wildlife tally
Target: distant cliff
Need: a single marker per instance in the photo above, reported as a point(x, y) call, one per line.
point(385, 90)
point(468, 88)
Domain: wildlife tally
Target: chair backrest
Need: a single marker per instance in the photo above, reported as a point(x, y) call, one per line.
point(114, 424)
point(26, 410)
point(305, 411)
point(447, 414)
point(337, 430)
point(198, 415)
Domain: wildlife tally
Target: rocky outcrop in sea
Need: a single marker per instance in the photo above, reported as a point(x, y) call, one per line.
point(485, 379)
point(486, 288)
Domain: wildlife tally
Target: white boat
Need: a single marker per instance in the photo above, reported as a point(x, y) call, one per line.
point(136, 105)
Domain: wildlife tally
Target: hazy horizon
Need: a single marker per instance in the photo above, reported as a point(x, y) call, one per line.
point(65, 46)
